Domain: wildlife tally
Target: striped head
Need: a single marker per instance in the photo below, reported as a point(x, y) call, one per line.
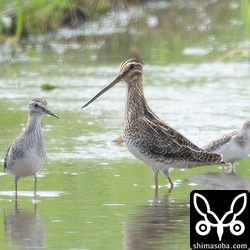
point(130, 70)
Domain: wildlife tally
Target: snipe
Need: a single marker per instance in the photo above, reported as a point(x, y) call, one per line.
point(233, 146)
point(27, 155)
point(147, 137)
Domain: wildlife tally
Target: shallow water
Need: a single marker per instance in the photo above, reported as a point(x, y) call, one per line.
point(92, 193)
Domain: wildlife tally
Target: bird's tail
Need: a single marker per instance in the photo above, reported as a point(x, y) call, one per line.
point(204, 158)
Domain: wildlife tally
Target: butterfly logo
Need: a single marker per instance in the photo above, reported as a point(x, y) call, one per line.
point(203, 227)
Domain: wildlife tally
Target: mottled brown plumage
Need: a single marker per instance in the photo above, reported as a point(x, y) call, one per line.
point(147, 137)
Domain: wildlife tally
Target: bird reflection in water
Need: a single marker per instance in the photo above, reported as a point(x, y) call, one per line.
point(164, 224)
point(25, 228)
point(157, 225)
point(222, 181)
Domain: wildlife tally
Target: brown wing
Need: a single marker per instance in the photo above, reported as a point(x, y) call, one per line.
point(167, 142)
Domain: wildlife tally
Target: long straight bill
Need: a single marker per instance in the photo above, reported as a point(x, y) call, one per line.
point(106, 88)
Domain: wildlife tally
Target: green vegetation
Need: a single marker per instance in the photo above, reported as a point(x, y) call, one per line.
point(33, 17)
point(47, 86)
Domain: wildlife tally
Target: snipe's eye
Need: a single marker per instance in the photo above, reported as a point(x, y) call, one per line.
point(132, 66)
point(36, 105)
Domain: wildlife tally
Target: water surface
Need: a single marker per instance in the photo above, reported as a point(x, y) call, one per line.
point(92, 193)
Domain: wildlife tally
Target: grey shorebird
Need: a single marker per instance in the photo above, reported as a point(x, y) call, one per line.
point(27, 155)
point(147, 137)
point(233, 146)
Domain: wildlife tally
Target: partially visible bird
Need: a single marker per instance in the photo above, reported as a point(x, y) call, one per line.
point(233, 146)
point(147, 137)
point(27, 155)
